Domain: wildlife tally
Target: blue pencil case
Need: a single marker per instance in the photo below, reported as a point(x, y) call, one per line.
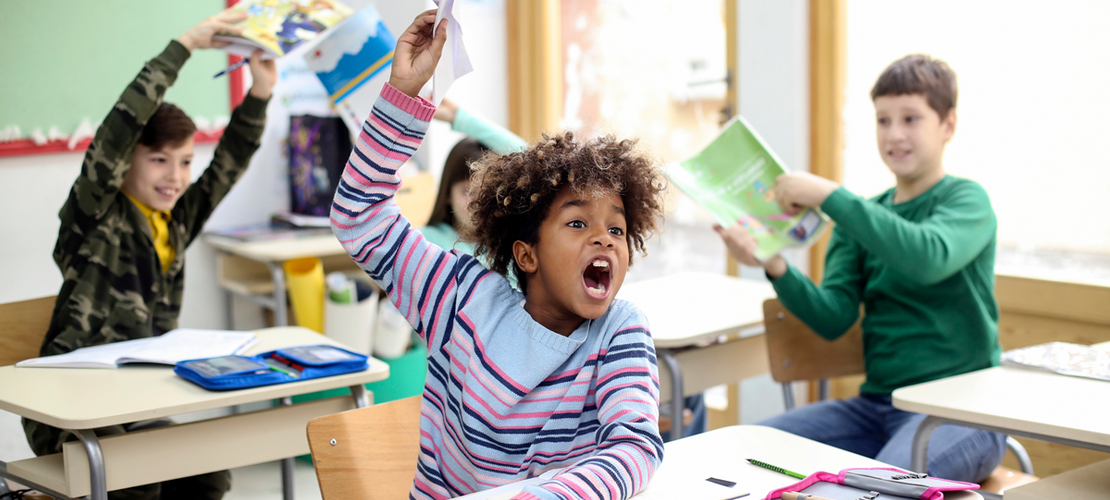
point(280, 366)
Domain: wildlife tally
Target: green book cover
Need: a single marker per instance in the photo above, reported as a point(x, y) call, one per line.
point(734, 179)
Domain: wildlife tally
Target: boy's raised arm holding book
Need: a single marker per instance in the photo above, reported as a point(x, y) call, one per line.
point(129, 217)
point(560, 376)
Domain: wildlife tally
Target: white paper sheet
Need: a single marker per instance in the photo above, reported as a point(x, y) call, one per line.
point(454, 62)
point(175, 345)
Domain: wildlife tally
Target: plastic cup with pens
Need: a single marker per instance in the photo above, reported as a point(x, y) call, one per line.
point(351, 311)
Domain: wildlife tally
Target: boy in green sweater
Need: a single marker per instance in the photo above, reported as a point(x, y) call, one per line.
point(129, 218)
point(920, 258)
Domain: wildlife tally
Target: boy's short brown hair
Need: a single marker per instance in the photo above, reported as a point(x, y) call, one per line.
point(169, 126)
point(511, 195)
point(919, 74)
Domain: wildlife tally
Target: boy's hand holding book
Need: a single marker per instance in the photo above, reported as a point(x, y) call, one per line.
point(200, 36)
point(418, 51)
point(797, 190)
point(742, 246)
point(263, 75)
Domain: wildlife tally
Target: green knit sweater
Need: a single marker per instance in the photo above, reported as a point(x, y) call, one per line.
point(924, 271)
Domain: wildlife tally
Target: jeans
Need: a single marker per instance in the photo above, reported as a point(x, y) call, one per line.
point(869, 425)
point(696, 405)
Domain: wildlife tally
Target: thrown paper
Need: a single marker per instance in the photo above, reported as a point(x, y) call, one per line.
point(453, 63)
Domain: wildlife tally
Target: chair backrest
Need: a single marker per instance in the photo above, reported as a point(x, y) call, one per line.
point(796, 352)
point(417, 197)
point(369, 453)
point(23, 325)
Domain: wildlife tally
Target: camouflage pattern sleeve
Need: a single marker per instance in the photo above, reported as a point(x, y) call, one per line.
point(240, 139)
point(109, 155)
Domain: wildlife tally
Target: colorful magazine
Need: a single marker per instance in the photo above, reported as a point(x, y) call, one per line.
point(279, 26)
point(353, 63)
point(733, 178)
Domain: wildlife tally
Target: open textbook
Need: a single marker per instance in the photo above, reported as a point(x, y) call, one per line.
point(1061, 357)
point(279, 26)
point(167, 349)
point(353, 63)
point(733, 178)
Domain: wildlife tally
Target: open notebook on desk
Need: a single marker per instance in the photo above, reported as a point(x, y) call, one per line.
point(167, 349)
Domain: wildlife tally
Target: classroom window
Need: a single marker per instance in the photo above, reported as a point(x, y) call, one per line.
point(1032, 98)
point(627, 71)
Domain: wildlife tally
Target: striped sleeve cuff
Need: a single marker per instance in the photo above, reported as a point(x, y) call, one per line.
point(418, 107)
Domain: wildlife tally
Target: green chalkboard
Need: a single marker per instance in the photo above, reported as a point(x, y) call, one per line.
point(64, 60)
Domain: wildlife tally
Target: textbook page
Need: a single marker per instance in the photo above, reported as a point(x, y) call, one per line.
point(1075, 360)
point(168, 349)
point(733, 178)
point(279, 26)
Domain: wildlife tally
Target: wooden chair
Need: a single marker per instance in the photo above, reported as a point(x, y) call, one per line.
point(369, 453)
point(417, 197)
point(22, 327)
point(796, 353)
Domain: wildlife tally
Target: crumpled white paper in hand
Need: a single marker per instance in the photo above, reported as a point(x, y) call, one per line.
point(454, 62)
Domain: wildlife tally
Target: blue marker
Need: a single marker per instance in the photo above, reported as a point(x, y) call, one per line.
point(233, 67)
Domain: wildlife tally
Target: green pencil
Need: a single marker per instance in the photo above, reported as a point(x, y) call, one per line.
point(780, 470)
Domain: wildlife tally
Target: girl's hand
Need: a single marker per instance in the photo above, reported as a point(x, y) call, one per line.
point(200, 36)
point(263, 74)
point(418, 51)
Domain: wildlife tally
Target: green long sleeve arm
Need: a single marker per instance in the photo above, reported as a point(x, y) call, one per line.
point(924, 252)
point(831, 308)
point(489, 134)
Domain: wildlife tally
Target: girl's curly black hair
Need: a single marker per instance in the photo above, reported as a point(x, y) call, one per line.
point(511, 194)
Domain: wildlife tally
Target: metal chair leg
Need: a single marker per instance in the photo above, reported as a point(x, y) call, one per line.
point(823, 389)
point(1022, 456)
point(788, 395)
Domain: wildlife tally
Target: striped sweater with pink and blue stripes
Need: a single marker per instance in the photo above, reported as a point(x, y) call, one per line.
point(505, 398)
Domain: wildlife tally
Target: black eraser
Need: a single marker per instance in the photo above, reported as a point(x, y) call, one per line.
point(722, 482)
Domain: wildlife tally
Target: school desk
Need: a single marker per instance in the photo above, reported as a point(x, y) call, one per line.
point(84, 399)
point(1015, 401)
point(707, 330)
point(723, 454)
point(253, 269)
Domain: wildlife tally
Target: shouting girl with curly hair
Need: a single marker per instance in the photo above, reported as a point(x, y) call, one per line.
point(559, 376)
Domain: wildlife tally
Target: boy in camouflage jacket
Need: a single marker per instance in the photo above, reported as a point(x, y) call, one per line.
point(129, 218)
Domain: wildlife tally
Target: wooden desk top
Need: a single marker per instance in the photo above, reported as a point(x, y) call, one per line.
point(323, 245)
point(1019, 399)
point(723, 454)
point(76, 398)
point(687, 308)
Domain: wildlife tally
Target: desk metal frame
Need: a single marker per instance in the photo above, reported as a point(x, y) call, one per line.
point(919, 454)
point(98, 478)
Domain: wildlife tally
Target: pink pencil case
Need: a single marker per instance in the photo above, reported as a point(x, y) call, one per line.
point(874, 484)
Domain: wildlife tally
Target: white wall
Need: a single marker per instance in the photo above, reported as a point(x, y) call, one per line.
point(774, 98)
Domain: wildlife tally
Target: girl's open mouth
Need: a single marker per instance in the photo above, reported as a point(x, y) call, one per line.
point(596, 278)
